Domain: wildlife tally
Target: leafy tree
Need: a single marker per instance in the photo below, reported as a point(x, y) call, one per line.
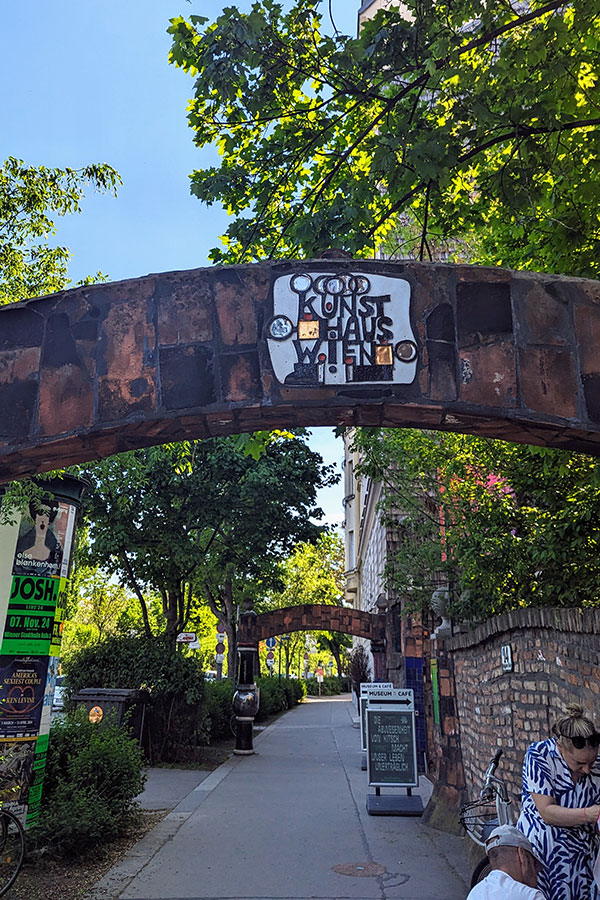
point(503, 525)
point(213, 529)
point(313, 573)
point(441, 121)
point(30, 199)
point(360, 668)
point(97, 607)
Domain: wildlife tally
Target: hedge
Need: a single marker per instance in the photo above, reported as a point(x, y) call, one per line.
point(331, 684)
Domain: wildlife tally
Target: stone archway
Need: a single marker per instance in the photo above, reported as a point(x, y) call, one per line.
point(254, 628)
point(96, 370)
point(311, 617)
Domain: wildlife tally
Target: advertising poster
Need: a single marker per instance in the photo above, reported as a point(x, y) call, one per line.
point(35, 615)
point(17, 761)
point(34, 794)
point(35, 555)
point(45, 537)
point(53, 671)
point(22, 689)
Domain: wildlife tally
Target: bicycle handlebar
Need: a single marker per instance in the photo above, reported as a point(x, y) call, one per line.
point(494, 763)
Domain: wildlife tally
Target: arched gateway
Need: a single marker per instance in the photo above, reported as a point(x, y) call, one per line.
point(254, 628)
point(311, 617)
point(95, 370)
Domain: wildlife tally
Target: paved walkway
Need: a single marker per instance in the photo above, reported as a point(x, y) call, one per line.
point(275, 825)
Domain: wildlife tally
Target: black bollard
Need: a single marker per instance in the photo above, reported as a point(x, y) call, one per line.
point(245, 700)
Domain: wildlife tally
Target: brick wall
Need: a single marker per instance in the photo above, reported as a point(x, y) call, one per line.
point(555, 661)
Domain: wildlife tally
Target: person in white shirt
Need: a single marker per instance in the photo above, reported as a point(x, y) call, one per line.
point(515, 868)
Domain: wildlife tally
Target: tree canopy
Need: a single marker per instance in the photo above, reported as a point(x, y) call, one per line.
point(213, 530)
point(503, 525)
point(470, 128)
point(312, 573)
point(30, 199)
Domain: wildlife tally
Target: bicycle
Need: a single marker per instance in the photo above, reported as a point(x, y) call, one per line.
point(480, 817)
point(12, 849)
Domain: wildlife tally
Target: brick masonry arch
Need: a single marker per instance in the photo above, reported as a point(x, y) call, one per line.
point(96, 370)
point(311, 617)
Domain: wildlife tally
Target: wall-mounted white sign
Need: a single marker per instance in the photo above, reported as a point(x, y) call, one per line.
point(330, 328)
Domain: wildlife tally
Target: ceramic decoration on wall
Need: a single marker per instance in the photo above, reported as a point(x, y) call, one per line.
point(330, 328)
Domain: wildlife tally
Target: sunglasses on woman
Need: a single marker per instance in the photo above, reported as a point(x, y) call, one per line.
point(580, 742)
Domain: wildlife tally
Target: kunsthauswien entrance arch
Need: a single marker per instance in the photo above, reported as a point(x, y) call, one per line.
point(96, 370)
point(89, 372)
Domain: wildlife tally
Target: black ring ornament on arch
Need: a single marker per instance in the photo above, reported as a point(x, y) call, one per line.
point(340, 328)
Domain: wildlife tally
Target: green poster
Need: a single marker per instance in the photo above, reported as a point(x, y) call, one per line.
point(34, 617)
point(34, 798)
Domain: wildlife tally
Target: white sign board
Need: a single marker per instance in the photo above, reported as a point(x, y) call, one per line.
point(186, 637)
point(380, 689)
point(332, 327)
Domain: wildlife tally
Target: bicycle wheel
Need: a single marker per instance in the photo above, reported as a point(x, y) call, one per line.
point(12, 849)
point(481, 871)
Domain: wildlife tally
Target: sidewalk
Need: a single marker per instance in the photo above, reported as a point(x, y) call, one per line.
point(288, 822)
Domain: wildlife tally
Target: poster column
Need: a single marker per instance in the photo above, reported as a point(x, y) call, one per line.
point(34, 569)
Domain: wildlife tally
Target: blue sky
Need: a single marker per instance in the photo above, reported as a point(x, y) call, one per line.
point(90, 82)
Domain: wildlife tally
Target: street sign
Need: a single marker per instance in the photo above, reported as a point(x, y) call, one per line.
point(221, 636)
point(220, 648)
point(270, 663)
point(270, 642)
point(220, 626)
point(270, 655)
point(379, 690)
point(186, 637)
point(220, 658)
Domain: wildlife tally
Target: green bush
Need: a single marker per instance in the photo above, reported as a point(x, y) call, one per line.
point(332, 684)
point(93, 775)
point(218, 696)
point(176, 719)
point(184, 712)
point(276, 695)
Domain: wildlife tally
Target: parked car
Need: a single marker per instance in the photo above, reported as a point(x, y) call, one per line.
point(59, 693)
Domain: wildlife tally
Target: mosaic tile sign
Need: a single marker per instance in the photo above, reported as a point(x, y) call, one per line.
point(330, 328)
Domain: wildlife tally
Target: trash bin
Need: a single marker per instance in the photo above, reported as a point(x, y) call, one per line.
point(123, 706)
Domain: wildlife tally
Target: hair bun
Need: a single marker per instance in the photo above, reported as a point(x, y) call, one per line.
point(574, 711)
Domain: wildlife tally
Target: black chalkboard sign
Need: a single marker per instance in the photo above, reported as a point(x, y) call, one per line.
point(363, 721)
point(391, 748)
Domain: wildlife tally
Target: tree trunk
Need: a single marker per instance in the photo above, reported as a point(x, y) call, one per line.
point(135, 587)
point(335, 652)
point(169, 605)
point(225, 610)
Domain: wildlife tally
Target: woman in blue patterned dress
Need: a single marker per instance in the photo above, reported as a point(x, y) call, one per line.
point(560, 806)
